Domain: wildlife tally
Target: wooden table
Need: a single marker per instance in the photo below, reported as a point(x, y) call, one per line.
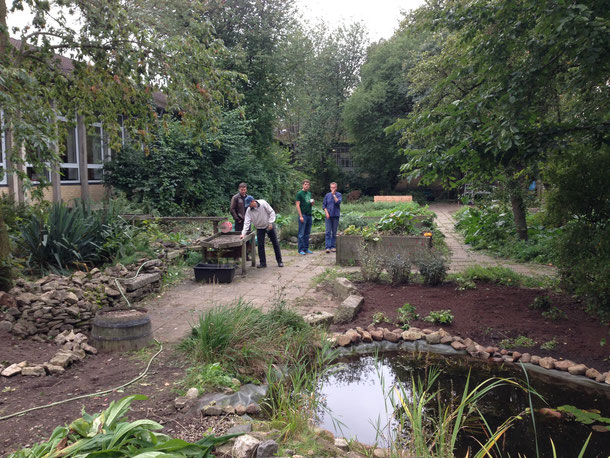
point(220, 242)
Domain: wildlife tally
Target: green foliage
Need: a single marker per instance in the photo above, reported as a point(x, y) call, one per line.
point(399, 269)
point(584, 262)
point(397, 222)
point(440, 317)
point(61, 239)
point(541, 303)
point(432, 436)
point(549, 345)
point(351, 219)
point(182, 174)
point(109, 434)
point(586, 417)
point(206, 377)
point(555, 314)
point(432, 266)
point(245, 339)
point(492, 228)
point(380, 317)
point(406, 314)
point(371, 262)
point(519, 341)
point(465, 283)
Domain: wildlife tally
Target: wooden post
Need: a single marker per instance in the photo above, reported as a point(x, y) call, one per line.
point(81, 132)
point(244, 256)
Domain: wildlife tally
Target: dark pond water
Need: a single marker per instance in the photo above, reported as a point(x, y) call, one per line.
point(355, 406)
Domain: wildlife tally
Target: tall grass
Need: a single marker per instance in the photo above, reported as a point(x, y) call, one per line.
point(428, 427)
point(246, 339)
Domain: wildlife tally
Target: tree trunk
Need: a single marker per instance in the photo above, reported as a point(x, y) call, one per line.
point(518, 204)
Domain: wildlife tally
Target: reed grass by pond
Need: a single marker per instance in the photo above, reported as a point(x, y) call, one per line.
point(360, 401)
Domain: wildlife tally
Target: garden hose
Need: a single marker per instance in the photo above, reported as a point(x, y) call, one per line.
point(98, 393)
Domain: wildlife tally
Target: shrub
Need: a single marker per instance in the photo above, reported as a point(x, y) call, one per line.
point(380, 317)
point(371, 262)
point(555, 314)
point(399, 269)
point(465, 283)
point(406, 314)
point(541, 303)
point(584, 262)
point(432, 266)
point(440, 317)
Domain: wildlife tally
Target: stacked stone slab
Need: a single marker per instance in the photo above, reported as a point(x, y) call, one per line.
point(74, 348)
point(54, 303)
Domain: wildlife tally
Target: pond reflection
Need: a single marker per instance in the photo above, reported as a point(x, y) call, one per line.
point(355, 404)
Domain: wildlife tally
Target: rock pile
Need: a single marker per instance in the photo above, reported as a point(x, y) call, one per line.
point(74, 348)
point(55, 303)
point(468, 346)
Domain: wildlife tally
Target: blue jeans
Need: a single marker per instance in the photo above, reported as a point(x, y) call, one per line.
point(304, 231)
point(332, 224)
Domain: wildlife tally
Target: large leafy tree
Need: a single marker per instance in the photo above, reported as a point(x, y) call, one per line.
point(257, 34)
point(383, 95)
point(117, 62)
point(331, 71)
point(514, 84)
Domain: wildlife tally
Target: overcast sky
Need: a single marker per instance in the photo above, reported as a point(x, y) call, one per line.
point(381, 17)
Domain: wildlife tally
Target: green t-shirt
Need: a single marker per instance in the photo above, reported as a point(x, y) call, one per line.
point(304, 198)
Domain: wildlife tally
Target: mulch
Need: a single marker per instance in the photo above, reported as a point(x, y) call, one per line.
point(491, 313)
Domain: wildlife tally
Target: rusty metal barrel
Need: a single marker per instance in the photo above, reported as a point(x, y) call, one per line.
point(121, 329)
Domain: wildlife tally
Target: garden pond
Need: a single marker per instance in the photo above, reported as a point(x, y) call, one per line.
point(355, 403)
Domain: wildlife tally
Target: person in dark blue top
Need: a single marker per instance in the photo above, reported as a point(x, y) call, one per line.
point(332, 208)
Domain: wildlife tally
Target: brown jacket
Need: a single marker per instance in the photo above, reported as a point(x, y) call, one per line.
point(238, 210)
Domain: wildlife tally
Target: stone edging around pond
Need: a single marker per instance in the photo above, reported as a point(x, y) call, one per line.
point(74, 348)
point(350, 306)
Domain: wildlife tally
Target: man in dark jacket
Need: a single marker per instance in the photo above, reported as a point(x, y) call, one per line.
point(238, 208)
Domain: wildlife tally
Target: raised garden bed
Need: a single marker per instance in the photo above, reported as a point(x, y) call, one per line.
point(349, 246)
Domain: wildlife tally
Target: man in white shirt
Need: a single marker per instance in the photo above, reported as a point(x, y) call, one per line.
point(260, 214)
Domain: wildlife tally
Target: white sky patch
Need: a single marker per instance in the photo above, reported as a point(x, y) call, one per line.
point(381, 17)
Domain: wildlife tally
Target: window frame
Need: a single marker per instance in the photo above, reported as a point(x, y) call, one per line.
point(104, 153)
point(71, 165)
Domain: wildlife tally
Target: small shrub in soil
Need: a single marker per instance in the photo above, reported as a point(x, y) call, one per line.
point(380, 317)
point(399, 269)
point(371, 264)
point(554, 314)
point(541, 303)
point(432, 266)
point(406, 314)
point(440, 317)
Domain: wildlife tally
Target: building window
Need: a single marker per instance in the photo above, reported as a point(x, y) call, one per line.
point(95, 152)
point(68, 169)
point(2, 151)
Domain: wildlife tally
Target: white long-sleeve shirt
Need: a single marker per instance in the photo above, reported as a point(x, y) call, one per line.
point(261, 217)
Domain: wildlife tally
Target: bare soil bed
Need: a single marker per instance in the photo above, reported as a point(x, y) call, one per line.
point(492, 313)
point(96, 373)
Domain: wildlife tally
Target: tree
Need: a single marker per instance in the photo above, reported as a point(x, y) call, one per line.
point(330, 73)
point(116, 63)
point(256, 33)
point(513, 83)
point(383, 95)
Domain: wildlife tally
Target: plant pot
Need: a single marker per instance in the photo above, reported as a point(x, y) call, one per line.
point(221, 273)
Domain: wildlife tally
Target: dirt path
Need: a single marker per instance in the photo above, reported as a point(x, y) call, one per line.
point(461, 254)
point(173, 312)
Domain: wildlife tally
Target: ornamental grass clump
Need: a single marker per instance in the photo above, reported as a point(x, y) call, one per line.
point(245, 339)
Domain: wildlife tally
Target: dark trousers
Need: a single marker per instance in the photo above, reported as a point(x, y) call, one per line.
point(260, 235)
point(237, 227)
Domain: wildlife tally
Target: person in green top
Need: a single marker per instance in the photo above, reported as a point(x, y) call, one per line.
point(304, 202)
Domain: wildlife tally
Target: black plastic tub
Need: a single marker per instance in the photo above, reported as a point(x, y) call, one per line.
point(221, 273)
